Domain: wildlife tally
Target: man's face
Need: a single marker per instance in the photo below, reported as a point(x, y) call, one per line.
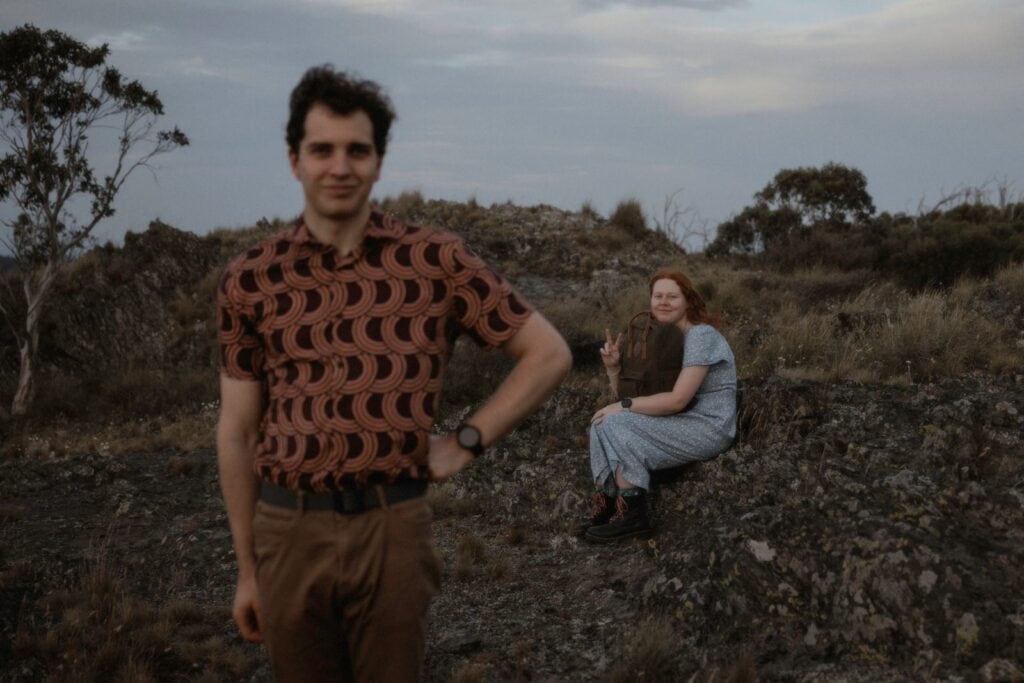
point(337, 163)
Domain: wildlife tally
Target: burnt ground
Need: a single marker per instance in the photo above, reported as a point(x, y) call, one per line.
point(854, 533)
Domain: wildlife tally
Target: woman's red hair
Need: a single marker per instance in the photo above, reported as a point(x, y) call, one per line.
point(696, 309)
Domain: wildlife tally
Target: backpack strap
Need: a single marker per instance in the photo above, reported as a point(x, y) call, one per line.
point(643, 340)
point(643, 336)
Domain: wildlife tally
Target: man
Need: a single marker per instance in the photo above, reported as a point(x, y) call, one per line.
point(334, 339)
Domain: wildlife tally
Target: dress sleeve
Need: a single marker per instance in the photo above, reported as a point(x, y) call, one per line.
point(705, 346)
point(241, 348)
point(486, 306)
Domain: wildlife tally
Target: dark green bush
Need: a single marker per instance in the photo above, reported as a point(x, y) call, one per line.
point(938, 252)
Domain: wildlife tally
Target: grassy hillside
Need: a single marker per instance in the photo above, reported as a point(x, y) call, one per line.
point(865, 526)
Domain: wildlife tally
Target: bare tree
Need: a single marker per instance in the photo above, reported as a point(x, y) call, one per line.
point(995, 192)
point(54, 92)
point(683, 225)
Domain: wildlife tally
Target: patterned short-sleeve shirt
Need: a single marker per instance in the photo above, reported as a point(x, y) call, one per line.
point(352, 349)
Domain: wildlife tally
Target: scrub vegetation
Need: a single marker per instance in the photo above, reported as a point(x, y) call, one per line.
point(880, 359)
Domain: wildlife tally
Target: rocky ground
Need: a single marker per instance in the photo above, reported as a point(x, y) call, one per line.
point(854, 532)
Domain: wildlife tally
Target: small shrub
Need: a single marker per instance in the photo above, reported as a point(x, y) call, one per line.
point(444, 503)
point(648, 652)
point(934, 336)
point(855, 248)
point(629, 216)
point(608, 237)
point(1011, 278)
point(880, 335)
point(817, 286)
point(408, 205)
point(942, 250)
point(131, 392)
point(497, 569)
point(514, 535)
point(97, 630)
point(469, 672)
point(589, 213)
point(156, 391)
point(470, 554)
point(232, 241)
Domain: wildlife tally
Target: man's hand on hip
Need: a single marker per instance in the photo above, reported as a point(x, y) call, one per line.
point(446, 457)
point(246, 610)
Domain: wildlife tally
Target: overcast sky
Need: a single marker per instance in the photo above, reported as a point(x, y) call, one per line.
point(566, 101)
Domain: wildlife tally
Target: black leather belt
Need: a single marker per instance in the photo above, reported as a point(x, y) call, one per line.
point(345, 502)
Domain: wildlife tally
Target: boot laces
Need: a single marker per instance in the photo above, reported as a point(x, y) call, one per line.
point(597, 504)
point(621, 508)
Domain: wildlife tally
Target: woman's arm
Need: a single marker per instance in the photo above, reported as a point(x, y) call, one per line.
point(665, 403)
point(613, 381)
point(611, 359)
point(671, 402)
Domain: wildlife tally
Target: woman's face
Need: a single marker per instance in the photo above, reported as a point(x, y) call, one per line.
point(668, 305)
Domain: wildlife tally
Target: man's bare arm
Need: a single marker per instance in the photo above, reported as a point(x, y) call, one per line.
point(237, 436)
point(542, 362)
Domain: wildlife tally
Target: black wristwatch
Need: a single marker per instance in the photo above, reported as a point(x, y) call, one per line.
point(627, 403)
point(470, 438)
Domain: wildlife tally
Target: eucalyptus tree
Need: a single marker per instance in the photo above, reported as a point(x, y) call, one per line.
point(57, 93)
point(797, 201)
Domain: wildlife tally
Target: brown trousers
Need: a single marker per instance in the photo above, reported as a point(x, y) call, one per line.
point(345, 597)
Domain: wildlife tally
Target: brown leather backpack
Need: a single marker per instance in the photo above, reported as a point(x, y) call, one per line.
point(651, 357)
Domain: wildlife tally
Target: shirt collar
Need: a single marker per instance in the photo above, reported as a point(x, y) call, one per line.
point(378, 226)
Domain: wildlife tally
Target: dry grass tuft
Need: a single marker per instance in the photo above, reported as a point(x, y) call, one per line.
point(232, 241)
point(469, 672)
point(10, 513)
point(629, 215)
point(445, 503)
point(408, 205)
point(182, 432)
point(181, 466)
point(648, 652)
point(1011, 278)
point(881, 335)
point(470, 556)
point(514, 535)
point(743, 670)
point(609, 236)
point(96, 630)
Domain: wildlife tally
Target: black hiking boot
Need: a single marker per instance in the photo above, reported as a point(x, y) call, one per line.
point(602, 507)
point(629, 521)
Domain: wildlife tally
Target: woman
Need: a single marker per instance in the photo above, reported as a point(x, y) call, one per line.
point(630, 438)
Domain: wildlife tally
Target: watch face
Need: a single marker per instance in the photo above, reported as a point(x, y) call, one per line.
point(468, 437)
point(627, 403)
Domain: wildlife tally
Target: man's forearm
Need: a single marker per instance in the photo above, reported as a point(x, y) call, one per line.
point(238, 484)
point(537, 373)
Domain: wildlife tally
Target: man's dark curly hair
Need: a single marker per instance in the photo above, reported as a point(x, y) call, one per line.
point(343, 94)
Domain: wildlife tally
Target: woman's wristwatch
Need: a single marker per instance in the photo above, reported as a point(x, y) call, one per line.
point(627, 403)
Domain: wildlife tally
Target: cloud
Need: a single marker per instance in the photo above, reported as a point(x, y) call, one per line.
point(198, 66)
point(694, 58)
point(125, 41)
point(951, 53)
point(704, 5)
point(468, 60)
